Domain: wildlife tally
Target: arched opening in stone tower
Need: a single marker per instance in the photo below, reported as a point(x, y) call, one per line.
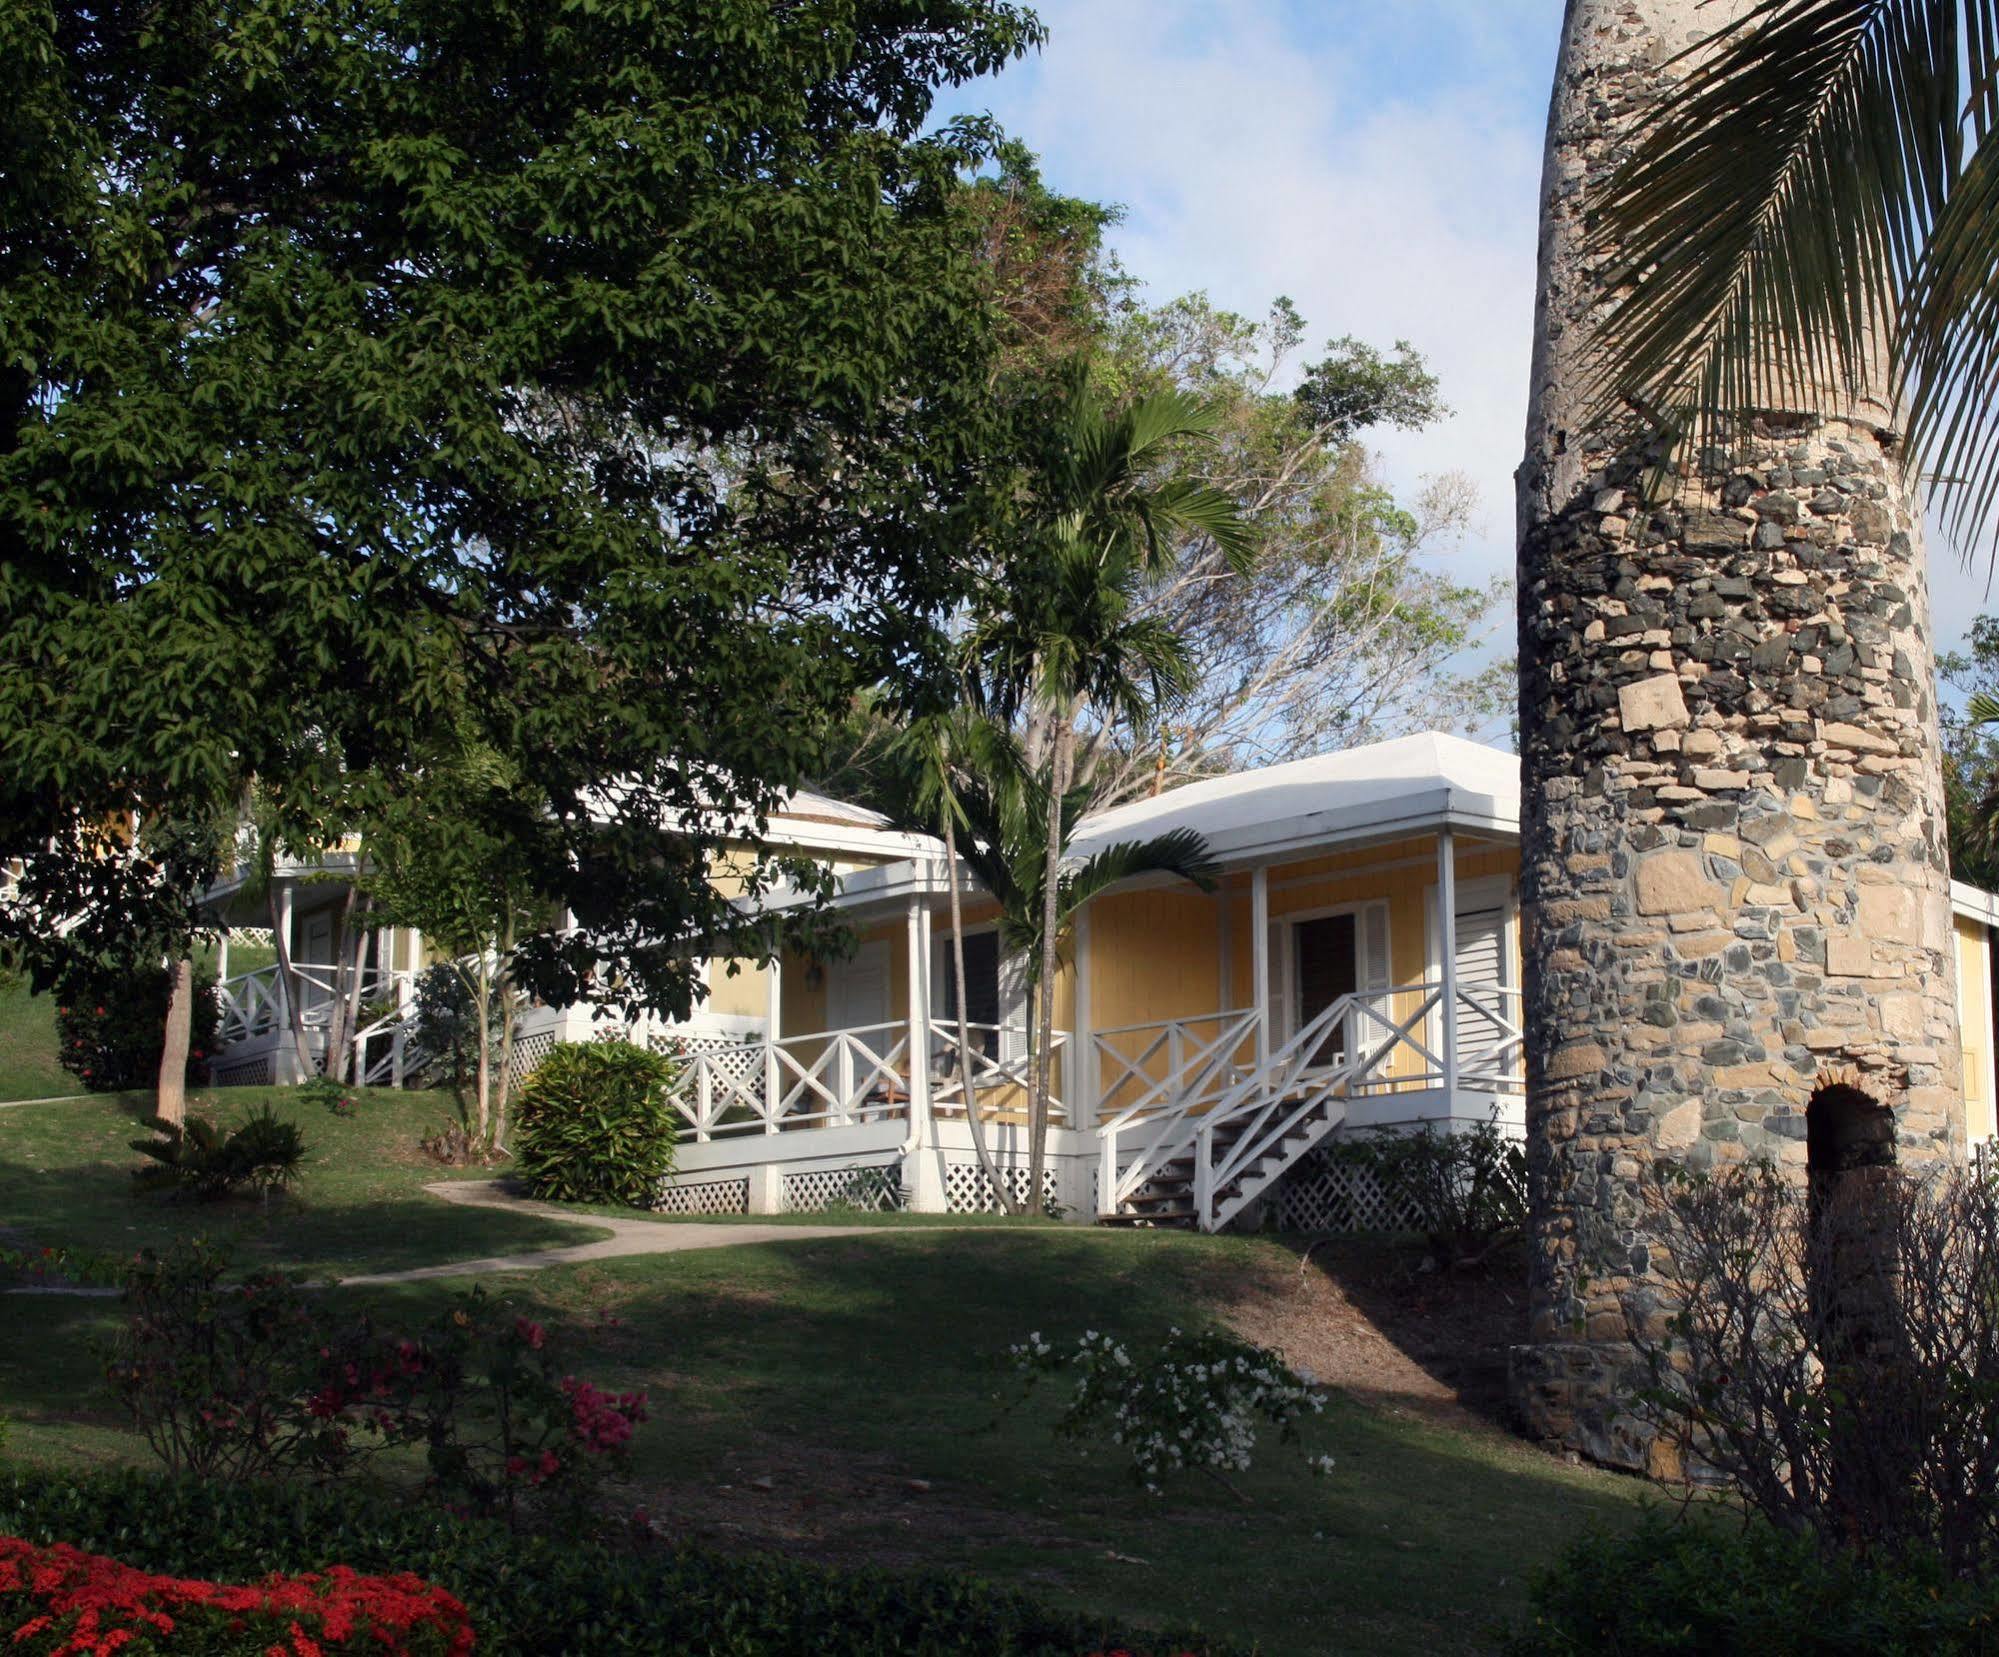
point(1850, 1155)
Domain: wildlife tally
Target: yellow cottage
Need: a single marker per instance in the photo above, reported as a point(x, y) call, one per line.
point(1357, 967)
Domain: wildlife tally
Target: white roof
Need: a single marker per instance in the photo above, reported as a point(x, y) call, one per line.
point(1412, 783)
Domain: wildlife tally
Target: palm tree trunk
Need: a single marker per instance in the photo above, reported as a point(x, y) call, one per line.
point(1060, 753)
point(170, 1091)
point(1001, 1194)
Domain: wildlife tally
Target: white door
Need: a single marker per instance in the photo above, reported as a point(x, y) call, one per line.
point(857, 991)
point(1481, 976)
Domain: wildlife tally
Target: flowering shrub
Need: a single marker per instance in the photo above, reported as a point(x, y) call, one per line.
point(109, 1027)
point(324, 1090)
point(595, 1589)
point(60, 1602)
point(251, 1379)
point(64, 1265)
point(486, 1397)
point(1193, 1404)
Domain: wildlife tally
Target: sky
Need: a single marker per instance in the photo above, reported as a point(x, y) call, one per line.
point(1379, 164)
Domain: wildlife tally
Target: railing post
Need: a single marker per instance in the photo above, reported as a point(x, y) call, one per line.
point(1204, 1176)
point(1107, 1202)
point(843, 1079)
point(1447, 933)
point(1176, 1056)
point(704, 1097)
point(1259, 954)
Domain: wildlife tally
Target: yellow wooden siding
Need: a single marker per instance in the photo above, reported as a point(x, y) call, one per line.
point(1974, 1001)
point(739, 996)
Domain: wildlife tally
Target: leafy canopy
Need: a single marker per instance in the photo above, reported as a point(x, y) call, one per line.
point(611, 376)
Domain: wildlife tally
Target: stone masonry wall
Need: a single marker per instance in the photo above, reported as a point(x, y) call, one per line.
point(1734, 883)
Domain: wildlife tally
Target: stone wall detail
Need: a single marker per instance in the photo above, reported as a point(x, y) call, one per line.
point(1734, 877)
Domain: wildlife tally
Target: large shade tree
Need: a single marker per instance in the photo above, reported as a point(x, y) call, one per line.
point(610, 376)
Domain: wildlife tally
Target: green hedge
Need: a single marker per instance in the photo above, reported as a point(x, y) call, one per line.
point(595, 1124)
point(1707, 1587)
point(552, 1595)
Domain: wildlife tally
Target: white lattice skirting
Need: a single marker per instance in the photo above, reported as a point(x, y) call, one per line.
point(876, 1189)
point(254, 1072)
point(528, 1053)
point(721, 1196)
point(1323, 1195)
point(969, 1190)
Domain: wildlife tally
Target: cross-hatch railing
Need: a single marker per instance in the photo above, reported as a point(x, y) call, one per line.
point(837, 1078)
point(1369, 1041)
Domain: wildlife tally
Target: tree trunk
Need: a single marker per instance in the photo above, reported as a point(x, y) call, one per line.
point(1001, 1194)
point(338, 1023)
point(1060, 750)
point(288, 987)
point(480, 985)
point(503, 985)
point(1732, 809)
point(355, 1066)
point(170, 1091)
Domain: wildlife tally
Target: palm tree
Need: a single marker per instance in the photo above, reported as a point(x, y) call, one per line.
point(1009, 828)
point(929, 761)
point(1815, 212)
point(1064, 639)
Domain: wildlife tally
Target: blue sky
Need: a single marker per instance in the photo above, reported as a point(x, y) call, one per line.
point(1379, 164)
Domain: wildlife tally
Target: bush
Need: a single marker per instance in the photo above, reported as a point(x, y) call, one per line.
point(57, 1600)
point(111, 1025)
point(1722, 1587)
point(595, 1124)
point(1466, 1191)
point(1831, 1348)
point(236, 1381)
point(535, 1596)
point(196, 1158)
point(444, 1051)
point(1191, 1405)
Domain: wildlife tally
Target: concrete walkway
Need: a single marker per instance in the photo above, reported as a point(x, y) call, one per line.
point(627, 1237)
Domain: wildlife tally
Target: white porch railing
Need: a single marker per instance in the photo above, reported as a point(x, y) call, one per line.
point(1226, 1122)
point(251, 1007)
point(830, 1078)
point(1145, 1068)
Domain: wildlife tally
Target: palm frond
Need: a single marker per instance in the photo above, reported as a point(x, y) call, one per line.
point(1982, 710)
point(1774, 218)
point(1180, 852)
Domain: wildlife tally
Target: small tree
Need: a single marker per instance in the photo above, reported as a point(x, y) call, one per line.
point(446, 862)
point(1831, 1347)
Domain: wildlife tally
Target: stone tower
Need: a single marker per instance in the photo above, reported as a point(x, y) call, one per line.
point(1735, 893)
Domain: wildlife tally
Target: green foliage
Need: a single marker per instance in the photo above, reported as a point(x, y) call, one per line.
point(445, 1050)
point(1707, 1587)
point(250, 1379)
point(1466, 1191)
point(201, 1159)
point(596, 1124)
point(111, 1023)
point(607, 383)
point(1191, 1406)
point(532, 1595)
point(1971, 757)
point(1811, 212)
point(1354, 387)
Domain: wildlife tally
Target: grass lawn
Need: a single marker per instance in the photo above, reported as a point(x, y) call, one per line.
point(28, 1068)
point(845, 1399)
point(64, 1180)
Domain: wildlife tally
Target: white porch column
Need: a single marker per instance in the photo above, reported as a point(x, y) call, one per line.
point(773, 1013)
point(1447, 938)
point(1082, 1062)
point(1259, 954)
point(923, 1188)
point(1225, 948)
point(222, 957)
point(284, 1060)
